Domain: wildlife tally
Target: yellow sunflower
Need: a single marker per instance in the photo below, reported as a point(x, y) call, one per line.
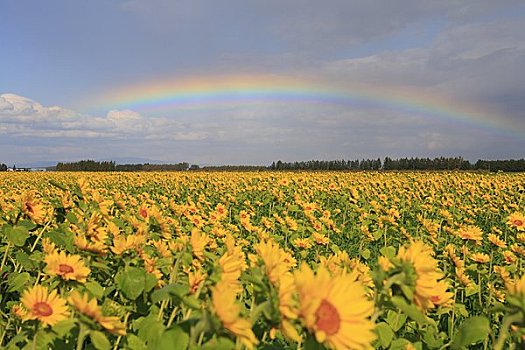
point(480, 258)
point(48, 308)
point(470, 232)
point(225, 307)
point(69, 267)
point(275, 259)
point(431, 289)
point(199, 241)
point(335, 308)
point(33, 208)
point(496, 240)
point(91, 309)
point(517, 221)
point(516, 287)
point(287, 306)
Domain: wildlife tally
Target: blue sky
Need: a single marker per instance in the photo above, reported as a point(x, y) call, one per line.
point(57, 57)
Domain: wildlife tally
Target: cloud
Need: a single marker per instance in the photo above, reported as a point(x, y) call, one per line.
point(473, 63)
point(257, 133)
point(310, 26)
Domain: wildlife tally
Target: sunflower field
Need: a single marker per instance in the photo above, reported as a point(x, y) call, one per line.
point(185, 260)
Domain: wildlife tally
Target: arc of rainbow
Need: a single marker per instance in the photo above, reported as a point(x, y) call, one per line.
point(209, 92)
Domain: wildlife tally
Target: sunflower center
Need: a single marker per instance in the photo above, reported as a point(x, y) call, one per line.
point(64, 268)
point(517, 223)
point(327, 318)
point(434, 299)
point(42, 309)
point(29, 207)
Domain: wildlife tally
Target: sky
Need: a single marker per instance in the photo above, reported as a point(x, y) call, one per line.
point(250, 82)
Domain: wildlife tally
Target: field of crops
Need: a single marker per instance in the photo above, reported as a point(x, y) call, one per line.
point(262, 260)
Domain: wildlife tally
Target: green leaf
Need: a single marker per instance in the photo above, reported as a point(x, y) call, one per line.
point(58, 185)
point(23, 259)
point(149, 330)
point(95, 288)
point(471, 290)
point(410, 310)
point(18, 281)
point(131, 282)
point(220, 343)
point(399, 344)
point(174, 338)
point(172, 289)
point(432, 339)
point(407, 291)
point(460, 309)
point(43, 339)
point(389, 252)
point(385, 334)
point(192, 302)
point(366, 254)
point(335, 249)
point(16, 235)
point(471, 331)
point(64, 327)
point(135, 343)
point(150, 282)
point(396, 320)
point(72, 218)
point(30, 225)
point(99, 340)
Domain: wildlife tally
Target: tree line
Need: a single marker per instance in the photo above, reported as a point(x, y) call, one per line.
point(440, 163)
point(92, 165)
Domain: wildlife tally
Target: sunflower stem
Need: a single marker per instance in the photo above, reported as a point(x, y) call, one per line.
point(39, 236)
point(5, 255)
point(82, 332)
point(33, 345)
point(115, 347)
point(507, 322)
point(5, 331)
point(172, 316)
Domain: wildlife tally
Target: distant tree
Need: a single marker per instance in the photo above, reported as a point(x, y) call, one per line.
point(3, 167)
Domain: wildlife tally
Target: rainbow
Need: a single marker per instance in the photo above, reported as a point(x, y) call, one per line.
point(230, 90)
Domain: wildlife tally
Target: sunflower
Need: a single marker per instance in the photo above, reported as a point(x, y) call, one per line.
point(275, 259)
point(196, 280)
point(48, 308)
point(335, 308)
point(516, 287)
point(287, 306)
point(223, 300)
point(430, 289)
point(33, 208)
point(470, 232)
point(198, 241)
point(480, 258)
point(69, 267)
point(517, 221)
point(91, 309)
point(302, 243)
point(496, 240)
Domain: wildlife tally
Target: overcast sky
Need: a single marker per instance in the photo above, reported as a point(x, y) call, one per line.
point(443, 77)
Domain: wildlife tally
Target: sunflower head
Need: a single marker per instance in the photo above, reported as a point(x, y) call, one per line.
point(335, 308)
point(39, 304)
point(228, 312)
point(424, 276)
point(517, 221)
point(69, 267)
